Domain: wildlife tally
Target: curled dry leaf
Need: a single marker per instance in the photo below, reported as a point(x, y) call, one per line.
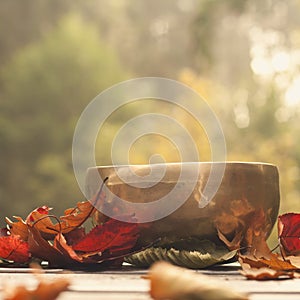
point(168, 282)
point(19, 227)
point(72, 219)
point(265, 273)
point(263, 269)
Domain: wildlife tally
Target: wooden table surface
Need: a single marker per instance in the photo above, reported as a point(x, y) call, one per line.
point(127, 283)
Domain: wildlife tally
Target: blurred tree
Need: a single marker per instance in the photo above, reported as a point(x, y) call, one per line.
point(25, 21)
point(152, 38)
point(45, 86)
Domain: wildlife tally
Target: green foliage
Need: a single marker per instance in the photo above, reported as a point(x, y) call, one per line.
point(45, 87)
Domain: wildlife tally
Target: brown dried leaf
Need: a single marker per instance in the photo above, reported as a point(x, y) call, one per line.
point(18, 228)
point(44, 291)
point(41, 248)
point(274, 262)
point(263, 269)
point(174, 283)
point(265, 273)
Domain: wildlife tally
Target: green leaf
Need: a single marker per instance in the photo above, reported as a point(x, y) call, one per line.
point(208, 255)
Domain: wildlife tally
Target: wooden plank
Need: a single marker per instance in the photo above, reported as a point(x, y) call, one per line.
point(127, 283)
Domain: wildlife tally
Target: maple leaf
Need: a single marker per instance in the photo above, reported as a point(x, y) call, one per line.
point(75, 235)
point(289, 233)
point(108, 242)
point(114, 235)
point(40, 218)
point(14, 248)
point(18, 228)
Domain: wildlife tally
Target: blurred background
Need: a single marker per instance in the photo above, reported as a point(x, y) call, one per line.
point(242, 56)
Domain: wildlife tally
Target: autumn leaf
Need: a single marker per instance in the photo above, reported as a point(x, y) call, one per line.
point(168, 282)
point(265, 273)
point(14, 248)
point(42, 220)
point(43, 291)
point(108, 242)
point(19, 227)
point(75, 235)
point(67, 251)
point(41, 248)
point(275, 262)
point(266, 269)
point(289, 233)
point(113, 235)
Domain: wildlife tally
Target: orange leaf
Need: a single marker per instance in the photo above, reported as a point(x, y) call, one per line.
point(265, 273)
point(73, 218)
point(44, 291)
point(18, 228)
point(275, 262)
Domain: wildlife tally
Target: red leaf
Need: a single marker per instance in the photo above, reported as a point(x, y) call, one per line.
point(75, 235)
point(289, 233)
point(13, 248)
point(113, 235)
point(40, 211)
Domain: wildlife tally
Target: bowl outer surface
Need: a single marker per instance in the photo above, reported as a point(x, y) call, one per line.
point(246, 189)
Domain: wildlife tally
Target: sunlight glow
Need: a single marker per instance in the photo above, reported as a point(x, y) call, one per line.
point(292, 95)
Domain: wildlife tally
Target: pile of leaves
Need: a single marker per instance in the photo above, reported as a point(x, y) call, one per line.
point(257, 260)
point(63, 242)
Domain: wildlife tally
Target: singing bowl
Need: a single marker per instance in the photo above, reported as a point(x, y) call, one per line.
point(245, 189)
